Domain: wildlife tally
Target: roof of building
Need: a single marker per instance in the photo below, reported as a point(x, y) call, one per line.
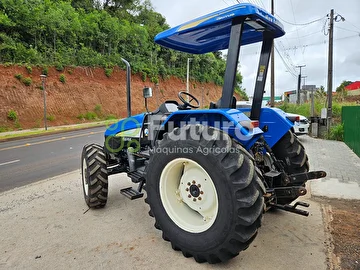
point(353, 86)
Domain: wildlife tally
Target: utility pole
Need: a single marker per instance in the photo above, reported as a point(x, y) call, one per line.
point(272, 88)
point(330, 71)
point(304, 77)
point(299, 83)
point(43, 79)
point(187, 77)
point(303, 88)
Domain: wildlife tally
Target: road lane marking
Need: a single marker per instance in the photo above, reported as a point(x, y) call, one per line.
point(52, 140)
point(9, 162)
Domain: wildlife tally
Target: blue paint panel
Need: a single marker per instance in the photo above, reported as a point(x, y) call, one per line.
point(231, 121)
point(132, 122)
point(211, 32)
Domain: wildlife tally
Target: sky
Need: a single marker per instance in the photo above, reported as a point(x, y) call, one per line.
point(304, 43)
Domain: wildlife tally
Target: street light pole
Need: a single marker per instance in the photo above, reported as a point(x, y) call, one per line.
point(187, 77)
point(43, 79)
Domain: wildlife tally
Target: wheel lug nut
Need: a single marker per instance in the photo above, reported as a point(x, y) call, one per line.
point(193, 182)
point(194, 199)
point(199, 185)
point(188, 183)
point(189, 196)
point(199, 198)
point(187, 189)
point(201, 192)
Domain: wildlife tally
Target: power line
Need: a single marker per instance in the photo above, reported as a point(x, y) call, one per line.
point(300, 24)
point(318, 43)
point(297, 32)
point(284, 62)
point(347, 29)
point(310, 34)
point(352, 24)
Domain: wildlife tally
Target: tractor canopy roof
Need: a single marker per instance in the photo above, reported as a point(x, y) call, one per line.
point(211, 32)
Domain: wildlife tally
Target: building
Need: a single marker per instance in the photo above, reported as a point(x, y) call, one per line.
point(353, 89)
point(305, 94)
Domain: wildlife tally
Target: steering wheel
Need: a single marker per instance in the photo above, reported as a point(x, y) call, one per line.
point(188, 103)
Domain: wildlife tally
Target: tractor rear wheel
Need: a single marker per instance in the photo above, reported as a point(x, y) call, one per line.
point(204, 193)
point(290, 150)
point(94, 176)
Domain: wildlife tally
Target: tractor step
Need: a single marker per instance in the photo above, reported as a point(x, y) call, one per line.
point(131, 193)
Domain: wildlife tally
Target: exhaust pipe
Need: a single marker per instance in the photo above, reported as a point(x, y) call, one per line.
point(128, 91)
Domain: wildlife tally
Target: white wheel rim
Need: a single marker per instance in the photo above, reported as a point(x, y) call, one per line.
point(85, 182)
point(188, 195)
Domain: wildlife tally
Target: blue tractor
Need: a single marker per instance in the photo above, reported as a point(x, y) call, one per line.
point(209, 174)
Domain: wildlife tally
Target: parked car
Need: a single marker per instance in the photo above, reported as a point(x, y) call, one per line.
point(301, 123)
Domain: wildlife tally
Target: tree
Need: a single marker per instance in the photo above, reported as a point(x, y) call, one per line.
point(341, 91)
point(320, 93)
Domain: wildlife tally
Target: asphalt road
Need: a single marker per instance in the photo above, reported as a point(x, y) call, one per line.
point(28, 160)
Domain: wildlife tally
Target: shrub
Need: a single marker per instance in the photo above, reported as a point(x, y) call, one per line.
point(45, 71)
point(27, 81)
point(59, 67)
point(29, 69)
point(17, 124)
point(62, 78)
point(111, 117)
point(143, 76)
point(12, 115)
point(4, 129)
point(97, 109)
point(18, 76)
point(80, 116)
point(108, 72)
point(154, 79)
point(50, 117)
point(90, 116)
point(337, 132)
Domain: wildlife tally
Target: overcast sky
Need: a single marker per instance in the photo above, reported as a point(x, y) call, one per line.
point(301, 45)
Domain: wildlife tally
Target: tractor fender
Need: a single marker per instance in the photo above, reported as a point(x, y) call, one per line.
point(232, 121)
point(274, 123)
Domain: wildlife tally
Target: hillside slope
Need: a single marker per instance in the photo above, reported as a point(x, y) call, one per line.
point(84, 89)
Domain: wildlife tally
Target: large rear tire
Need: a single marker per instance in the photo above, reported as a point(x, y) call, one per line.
point(94, 176)
point(290, 150)
point(204, 193)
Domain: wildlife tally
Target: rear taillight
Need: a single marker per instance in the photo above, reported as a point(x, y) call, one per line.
point(255, 123)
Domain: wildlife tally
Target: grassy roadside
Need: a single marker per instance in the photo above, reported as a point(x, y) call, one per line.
point(15, 135)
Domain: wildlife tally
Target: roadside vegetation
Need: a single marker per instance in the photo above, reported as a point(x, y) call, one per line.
point(339, 100)
point(97, 33)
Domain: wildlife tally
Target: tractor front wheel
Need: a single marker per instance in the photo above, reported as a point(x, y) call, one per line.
point(204, 193)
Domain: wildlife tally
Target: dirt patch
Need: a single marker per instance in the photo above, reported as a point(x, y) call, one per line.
point(343, 220)
point(84, 90)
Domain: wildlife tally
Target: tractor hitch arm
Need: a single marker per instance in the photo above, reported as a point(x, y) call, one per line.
point(292, 208)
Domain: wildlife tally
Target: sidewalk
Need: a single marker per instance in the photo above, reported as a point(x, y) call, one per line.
point(341, 165)
point(47, 225)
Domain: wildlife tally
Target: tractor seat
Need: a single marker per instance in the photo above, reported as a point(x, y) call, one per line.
point(167, 107)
